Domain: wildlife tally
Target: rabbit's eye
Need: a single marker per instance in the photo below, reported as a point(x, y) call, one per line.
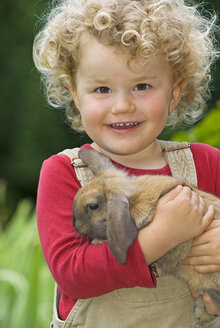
point(93, 207)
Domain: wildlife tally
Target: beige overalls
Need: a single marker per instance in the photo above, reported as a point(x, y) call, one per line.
point(169, 305)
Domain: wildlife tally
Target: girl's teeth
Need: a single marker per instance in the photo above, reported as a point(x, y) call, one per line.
point(124, 124)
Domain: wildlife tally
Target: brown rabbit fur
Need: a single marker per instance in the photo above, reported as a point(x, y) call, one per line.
point(114, 206)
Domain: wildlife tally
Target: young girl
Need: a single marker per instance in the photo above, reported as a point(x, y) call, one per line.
point(124, 69)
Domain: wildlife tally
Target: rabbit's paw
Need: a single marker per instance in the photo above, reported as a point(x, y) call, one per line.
point(199, 307)
point(208, 323)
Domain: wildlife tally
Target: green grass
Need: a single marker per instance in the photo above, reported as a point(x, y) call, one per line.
point(26, 285)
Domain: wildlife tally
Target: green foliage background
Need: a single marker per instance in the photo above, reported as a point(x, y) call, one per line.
point(25, 282)
point(206, 131)
point(30, 132)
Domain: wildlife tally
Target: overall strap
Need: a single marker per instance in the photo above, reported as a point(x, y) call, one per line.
point(178, 156)
point(83, 173)
point(180, 160)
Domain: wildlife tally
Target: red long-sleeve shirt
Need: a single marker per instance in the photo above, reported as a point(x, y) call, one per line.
point(80, 268)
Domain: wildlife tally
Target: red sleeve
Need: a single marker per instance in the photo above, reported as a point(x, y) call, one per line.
point(80, 268)
point(207, 162)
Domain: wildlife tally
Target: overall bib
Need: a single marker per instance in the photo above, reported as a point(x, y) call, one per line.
point(169, 305)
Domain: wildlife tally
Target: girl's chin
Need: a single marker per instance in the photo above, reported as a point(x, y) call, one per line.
point(121, 150)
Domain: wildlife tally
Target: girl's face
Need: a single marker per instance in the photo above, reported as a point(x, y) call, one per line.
point(123, 111)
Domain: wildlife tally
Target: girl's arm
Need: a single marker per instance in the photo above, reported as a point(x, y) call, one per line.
point(205, 252)
point(80, 268)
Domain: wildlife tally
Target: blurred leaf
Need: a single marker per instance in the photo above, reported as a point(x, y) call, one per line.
point(25, 282)
point(206, 131)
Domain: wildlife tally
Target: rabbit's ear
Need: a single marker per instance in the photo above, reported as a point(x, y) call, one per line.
point(121, 228)
point(96, 161)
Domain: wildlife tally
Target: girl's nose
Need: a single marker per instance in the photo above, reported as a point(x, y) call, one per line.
point(123, 103)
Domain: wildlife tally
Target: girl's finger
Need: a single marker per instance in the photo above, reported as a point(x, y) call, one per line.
point(210, 306)
point(193, 293)
point(208, 217)
point(199, 260)
point(206, 268)
point(202, 205)
point(171, 195)
point(199, 250)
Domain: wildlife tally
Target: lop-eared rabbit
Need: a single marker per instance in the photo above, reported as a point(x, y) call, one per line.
point(114, 206)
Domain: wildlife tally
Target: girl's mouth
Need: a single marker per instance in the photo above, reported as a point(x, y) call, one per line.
point(121, 126)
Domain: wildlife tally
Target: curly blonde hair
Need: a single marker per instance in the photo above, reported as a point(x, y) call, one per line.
point(145, 28)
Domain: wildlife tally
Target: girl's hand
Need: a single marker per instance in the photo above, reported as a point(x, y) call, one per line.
point(183, 214)
point(210, 306)
point(180, 215)
point(205, 251)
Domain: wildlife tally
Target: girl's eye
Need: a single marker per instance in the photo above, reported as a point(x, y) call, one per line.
point(103, 90)
point(141, 87)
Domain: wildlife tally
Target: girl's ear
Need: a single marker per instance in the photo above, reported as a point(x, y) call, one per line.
point(73, 93)
point(178, 88)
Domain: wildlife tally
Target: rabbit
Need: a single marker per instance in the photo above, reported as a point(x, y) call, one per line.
point(114, 206)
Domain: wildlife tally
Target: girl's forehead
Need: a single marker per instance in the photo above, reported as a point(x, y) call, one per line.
point(91, 49)
point(100, 60)
point(87, 41)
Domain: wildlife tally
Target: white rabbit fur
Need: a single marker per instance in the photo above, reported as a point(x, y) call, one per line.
point(114, 206)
